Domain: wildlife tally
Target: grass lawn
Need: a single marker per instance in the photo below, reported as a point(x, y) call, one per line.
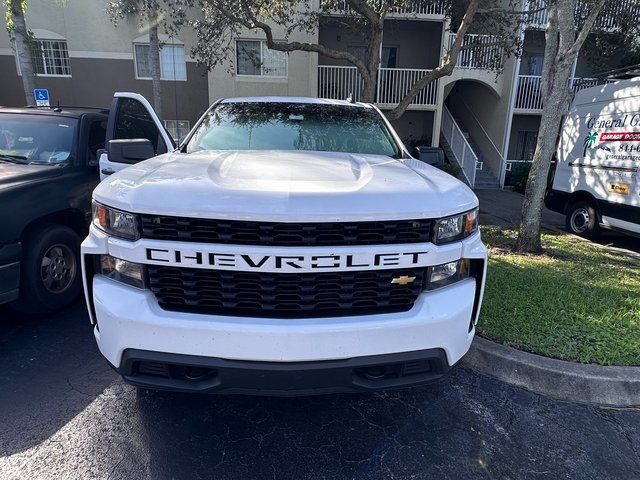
point(576, 302)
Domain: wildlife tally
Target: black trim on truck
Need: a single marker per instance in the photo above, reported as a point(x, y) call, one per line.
point(10, 271)
point(188, 373)
point(558, 201)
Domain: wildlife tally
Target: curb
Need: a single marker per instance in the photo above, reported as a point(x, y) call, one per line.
point(575, 382)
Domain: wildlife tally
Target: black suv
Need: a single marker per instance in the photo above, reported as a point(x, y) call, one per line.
point(48, 169)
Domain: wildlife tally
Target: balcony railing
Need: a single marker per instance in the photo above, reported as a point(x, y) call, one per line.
point(407, 8)
point(528, 90)
point(393, 84)
point(482, 51)
point(607, 20)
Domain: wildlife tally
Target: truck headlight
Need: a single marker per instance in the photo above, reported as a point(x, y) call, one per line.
point(447, 273)
point(456, 227)
point(115, 222)
point(122, 271)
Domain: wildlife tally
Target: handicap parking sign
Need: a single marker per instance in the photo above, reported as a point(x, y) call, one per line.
point(42, 97)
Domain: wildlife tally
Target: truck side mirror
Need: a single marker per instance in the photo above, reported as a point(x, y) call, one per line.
point(130, 150)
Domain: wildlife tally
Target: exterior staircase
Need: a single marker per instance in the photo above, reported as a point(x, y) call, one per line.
point(484, 177)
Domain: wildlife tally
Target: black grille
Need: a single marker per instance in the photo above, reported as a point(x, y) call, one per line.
point(239, 232)
point(283, 295)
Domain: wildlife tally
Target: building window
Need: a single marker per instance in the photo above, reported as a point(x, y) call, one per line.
point(526, 144)
point(50, 57)
point(253, 57)
point(172, 62)
point(178, 129)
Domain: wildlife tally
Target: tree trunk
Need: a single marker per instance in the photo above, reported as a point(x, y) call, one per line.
point(154, 60)
point(554, 107)
point(373, 63)
point(561, 49)
point(21, 40)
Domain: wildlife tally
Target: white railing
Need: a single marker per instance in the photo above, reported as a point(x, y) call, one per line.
point(528, 90)
point(395, 83)
point(481, 52)
point(462, 151)
point(342, 82)
point(486, 150)
point(339, 82)
point(407, 7)
point(607, 20)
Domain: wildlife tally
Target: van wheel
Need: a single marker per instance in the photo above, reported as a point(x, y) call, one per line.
point(49, 271)
point(582, 220)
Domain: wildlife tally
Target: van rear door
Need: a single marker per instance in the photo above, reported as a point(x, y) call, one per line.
point(132, 118)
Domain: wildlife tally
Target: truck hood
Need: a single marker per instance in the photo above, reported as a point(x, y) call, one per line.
point(12, 174)
point(285, 186)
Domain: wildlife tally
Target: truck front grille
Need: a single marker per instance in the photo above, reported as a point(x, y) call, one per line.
point(283, 295)
point(238, 232)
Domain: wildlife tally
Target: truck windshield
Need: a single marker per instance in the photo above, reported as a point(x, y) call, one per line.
point(291, 126)
point(32, 138)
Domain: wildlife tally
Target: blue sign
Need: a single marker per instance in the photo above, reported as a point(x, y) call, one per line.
point(42, 97)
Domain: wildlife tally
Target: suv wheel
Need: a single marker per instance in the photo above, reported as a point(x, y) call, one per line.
point(50, 270)
point(582, 220)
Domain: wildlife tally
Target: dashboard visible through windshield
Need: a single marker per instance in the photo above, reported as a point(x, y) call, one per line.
point(39, 139)
point(291, 126)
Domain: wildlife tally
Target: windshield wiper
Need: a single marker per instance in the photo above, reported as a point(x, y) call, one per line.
point(14, 158)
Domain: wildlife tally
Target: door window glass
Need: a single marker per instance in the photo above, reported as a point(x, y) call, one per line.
point(97, 134)
point(134, 121)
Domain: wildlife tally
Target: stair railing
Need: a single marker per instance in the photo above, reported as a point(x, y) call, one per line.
point(463, 154)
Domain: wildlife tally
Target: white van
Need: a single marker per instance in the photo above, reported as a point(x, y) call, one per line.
point(596, 182)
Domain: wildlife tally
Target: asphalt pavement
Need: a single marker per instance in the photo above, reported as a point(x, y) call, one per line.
point(503, 208)
point(65, 414)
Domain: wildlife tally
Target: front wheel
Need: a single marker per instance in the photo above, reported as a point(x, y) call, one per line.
point(582, 220)
point(50, 270)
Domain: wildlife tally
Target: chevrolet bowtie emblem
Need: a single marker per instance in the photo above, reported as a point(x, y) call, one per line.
point(403, 280)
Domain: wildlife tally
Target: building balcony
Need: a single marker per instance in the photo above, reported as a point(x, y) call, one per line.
point(342, 82)
point(528, 98)
point(606, 21)
point(481, 52)
point(415, 9)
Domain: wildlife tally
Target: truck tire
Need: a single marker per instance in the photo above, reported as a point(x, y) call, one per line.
point(49, 271)
point(582, 220)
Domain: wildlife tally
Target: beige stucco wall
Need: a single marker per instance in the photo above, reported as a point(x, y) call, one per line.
point(101, 57)
point(302, 79)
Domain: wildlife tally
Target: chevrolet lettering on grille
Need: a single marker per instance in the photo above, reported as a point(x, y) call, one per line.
point(285, 263)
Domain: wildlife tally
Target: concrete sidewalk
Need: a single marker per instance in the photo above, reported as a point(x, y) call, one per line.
point(502, 208)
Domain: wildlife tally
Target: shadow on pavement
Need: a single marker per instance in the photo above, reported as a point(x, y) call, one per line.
point(50, 370)
point(468, 426)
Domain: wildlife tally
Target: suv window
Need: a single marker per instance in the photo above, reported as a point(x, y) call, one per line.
point(134, 121)
point(97, 134)
point(291, 126)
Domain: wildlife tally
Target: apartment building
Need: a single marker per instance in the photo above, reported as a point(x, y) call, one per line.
point(486, 122)
point(82, 58)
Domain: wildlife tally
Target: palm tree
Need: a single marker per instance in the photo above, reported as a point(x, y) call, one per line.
point(21, 38)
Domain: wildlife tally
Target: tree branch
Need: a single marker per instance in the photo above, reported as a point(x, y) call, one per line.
point(252, 22)
point(445, 68)
point(586, 28)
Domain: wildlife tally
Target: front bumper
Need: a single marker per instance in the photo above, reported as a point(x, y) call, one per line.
point(10, 255)
point(253, 354)
point(188, 373)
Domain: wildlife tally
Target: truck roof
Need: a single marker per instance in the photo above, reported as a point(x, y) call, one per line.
point(61, 111)
point(308, 100)
point(608, 93)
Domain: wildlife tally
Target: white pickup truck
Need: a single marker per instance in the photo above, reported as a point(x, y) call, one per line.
point(287, 246)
